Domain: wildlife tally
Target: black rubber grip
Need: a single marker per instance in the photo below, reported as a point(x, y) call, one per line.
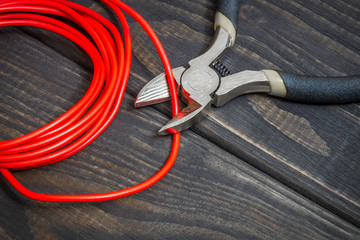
point(230, 8)
point(322, 90)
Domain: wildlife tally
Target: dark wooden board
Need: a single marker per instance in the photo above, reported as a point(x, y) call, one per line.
point(239, 175)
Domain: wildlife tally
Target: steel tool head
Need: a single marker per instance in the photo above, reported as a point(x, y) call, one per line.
point(199, 85)
point(196, 84)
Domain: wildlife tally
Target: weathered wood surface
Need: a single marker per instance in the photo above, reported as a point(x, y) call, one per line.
point(258, 167)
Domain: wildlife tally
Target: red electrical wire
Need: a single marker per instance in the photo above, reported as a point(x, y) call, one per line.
point(88, 118)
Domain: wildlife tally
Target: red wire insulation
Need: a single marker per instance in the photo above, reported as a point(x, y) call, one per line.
point(88, 118)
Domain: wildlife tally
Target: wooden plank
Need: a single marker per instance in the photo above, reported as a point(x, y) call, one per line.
point(313, 148)
point(209, 193)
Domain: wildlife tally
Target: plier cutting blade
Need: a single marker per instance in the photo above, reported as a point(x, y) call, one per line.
point(207, 82)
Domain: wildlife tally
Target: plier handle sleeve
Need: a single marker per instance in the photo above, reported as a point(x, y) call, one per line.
point(206, 81)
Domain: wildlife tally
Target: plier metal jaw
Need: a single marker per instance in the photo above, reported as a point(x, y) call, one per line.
point(202, 83)
point(205, 81)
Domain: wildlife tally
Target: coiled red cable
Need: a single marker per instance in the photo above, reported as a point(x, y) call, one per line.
point(88, 118)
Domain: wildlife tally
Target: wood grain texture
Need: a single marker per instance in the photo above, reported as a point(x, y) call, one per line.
point(257, 168)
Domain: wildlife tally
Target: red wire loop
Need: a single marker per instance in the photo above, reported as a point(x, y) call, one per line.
point(88, 118)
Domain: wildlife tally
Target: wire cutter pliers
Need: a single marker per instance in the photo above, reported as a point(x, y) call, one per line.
point(206, 81)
